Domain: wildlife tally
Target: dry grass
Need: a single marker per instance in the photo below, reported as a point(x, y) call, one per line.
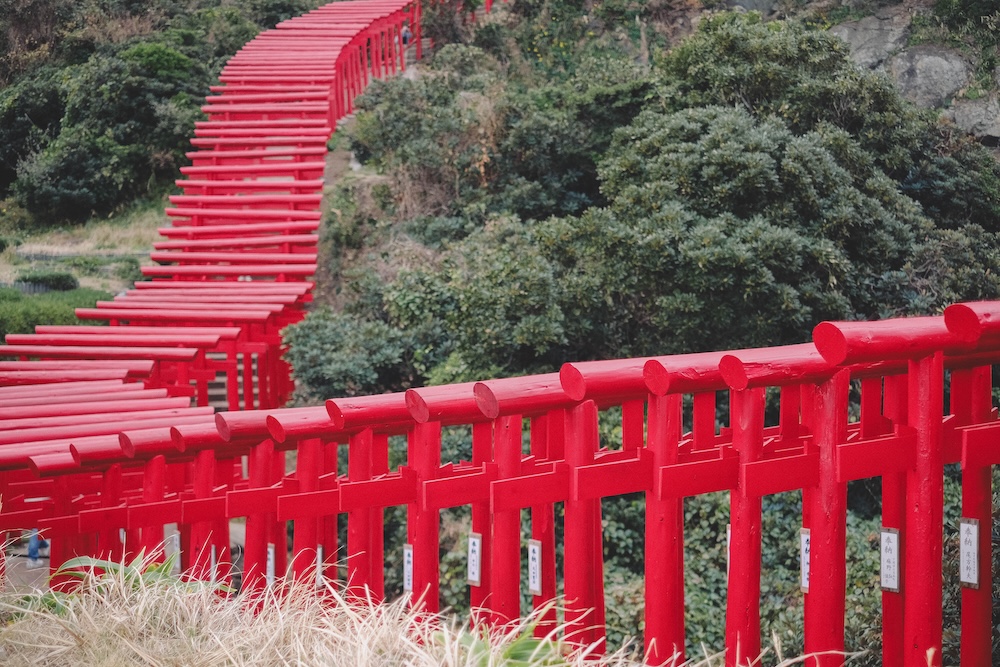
point(123, 619)
point(130, 234)
point(116, 620)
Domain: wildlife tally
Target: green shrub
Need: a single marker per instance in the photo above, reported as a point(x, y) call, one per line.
point(961, 12)
point(128, 269)
point(54, 280)
point(268, 13)
point(23, 314)
point(78, 175)
point(335, 354)
point(10, 294)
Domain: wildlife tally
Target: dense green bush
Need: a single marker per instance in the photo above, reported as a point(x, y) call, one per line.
point(77, 175)
point(54, 280)
point(31, 112)
point(20, 313)
point(476, 144)
point(340, 355)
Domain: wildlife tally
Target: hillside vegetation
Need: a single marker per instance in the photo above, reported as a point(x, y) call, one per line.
point(547, 198)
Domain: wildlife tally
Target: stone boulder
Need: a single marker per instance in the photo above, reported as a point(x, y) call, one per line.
point(874, 38)
point(765, 7)
point(980, 118)
point(929, 76)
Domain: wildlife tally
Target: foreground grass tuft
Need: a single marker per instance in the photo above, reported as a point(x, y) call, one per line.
point(136, 613)
point(118, 618)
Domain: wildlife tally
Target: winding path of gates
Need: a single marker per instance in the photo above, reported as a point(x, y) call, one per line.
point(99, 444)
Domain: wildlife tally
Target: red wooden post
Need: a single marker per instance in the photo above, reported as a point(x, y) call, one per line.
point(482, 452)
point(743, 601)
point(664, 562)
point(423, 526)
point(364, 559)
point(505, 571)
point(201, 531)
point(153, 488)
point(922, 575)
point(547, 438)
point(393, 36)
point(417, 32)
point(224, 468)
point(61, 541)
point(308, 467)
point(825, 601)
point(329, 523)
point(893, 518)
point(109, 541)
point(583, 566)
point(255, 552)
point(279, 531)
point(971, 402)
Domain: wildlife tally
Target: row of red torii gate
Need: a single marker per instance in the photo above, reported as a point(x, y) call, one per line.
point(101, 448)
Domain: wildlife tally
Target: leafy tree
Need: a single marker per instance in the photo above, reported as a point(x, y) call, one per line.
point(108, 94)
point(804, 76)
point(800, 74)
point(828, 227)
point(31, 113)
point(115, 133)
point(78, 174)
point(758, 179)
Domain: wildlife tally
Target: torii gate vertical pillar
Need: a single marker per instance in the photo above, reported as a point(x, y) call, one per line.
point(824, 603)
point(743, 605)
point(922, 580)
point(664, 589)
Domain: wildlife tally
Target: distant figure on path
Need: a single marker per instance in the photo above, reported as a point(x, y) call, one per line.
point(35, 546)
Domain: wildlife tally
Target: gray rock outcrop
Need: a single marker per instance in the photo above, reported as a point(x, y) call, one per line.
point(765, 7)
point(929, 76)
point(979, 117)
point(874, 38)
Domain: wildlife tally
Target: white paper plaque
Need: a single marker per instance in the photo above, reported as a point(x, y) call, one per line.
point(475, 568)
point(408, 568)
point(968, 536)
point(535, 567)
point(804, 551)
point(175, 540)
point(890, 560)
point(320, 580)
point(270, 565)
